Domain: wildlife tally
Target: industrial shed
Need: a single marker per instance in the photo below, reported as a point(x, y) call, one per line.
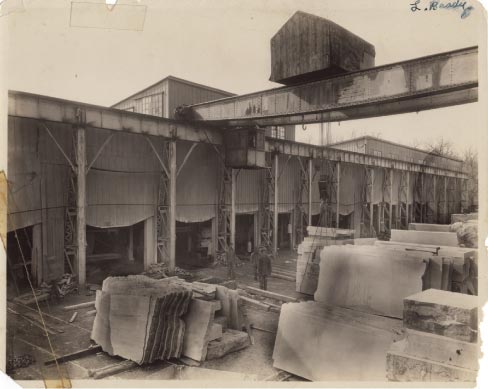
point(167, 210)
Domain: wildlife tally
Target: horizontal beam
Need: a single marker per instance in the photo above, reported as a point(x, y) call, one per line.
point(31, 106)
point(435, 81)
point(309, 151)
point(26, 105)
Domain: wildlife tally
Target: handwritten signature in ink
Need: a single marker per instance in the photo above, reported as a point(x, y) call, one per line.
point(435, 5)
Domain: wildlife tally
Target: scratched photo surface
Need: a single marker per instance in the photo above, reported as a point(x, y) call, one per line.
point(242, 193)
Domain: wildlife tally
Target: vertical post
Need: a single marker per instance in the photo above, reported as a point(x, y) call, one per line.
point(371, 204)
point(434, 198)
point(172, 206)
point(408, 200)
point(81, 205)
point(213, 251)
point(36, 268)
point(275, 211)
point(390, 213)
point(445, 210)
point(233, 210)
point(310, 177)
point(130, 248)
point(338, 199)
point(149, 242)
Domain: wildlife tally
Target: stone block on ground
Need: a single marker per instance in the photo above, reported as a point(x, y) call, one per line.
point(425, 237)
point(450, 314)
point(326, 343)
point(230, 341)
point(404, 367)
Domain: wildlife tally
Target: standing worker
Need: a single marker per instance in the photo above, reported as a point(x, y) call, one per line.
point(263, 268)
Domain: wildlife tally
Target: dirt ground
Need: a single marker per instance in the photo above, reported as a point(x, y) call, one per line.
point(25, 337)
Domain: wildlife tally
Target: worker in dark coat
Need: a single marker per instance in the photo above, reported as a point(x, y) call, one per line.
point(263, 267)
point(254, 262)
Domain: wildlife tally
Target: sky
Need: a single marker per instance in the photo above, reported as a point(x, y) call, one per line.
point(225, 44)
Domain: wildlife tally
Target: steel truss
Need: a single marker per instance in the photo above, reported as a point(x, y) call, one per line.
point(162, 215)
point(266, 203)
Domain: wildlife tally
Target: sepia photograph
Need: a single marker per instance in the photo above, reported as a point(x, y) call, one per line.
point(242, 193)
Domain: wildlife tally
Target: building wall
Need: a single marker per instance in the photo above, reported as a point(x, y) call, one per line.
point(171, 93)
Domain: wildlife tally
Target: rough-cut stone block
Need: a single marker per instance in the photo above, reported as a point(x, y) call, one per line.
point(443, 313)
point(441, 349)
point(404, 367)
point(230, 341)
point(215, 332)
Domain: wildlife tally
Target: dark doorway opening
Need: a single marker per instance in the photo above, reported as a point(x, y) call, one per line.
point(193, 244)
point(19, 259)
point(244, 233)
point(115, 251)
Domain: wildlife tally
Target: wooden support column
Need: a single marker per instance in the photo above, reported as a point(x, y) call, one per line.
point(434, 199)
point(215, 233)
point(81, 206)
point(172, 206)
point(445, 207)
point(390, 213)
point(275, 211)
point(36, 267)
point(233, 209)
point(338, 198)
point(408, 200)
point(310, 178)
point(371, 204)
point(150, 255)
point(130, 248)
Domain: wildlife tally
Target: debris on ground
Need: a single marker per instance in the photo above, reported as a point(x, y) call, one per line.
point(19, 361)
point(159, 271)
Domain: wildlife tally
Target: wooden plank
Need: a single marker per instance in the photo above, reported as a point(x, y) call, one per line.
point(88, 304)
point(269, 294)
point(75, 355)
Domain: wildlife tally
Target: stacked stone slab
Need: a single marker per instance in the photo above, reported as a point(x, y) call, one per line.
point(441, 342)
point(308, 260)
point(140, 319)
point(369, 278)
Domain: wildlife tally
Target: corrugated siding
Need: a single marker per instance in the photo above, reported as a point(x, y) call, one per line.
point(288, 183)
point(356, 146)
point(24, 175)
point(122, 186)
point(180, 93)
point(197, 183)
point(248, 188)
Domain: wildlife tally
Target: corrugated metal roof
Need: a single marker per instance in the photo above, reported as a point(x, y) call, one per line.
point(366, 137)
